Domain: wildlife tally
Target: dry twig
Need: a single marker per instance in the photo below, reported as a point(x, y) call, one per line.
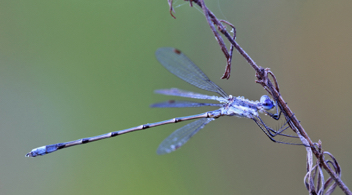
point(314, 179)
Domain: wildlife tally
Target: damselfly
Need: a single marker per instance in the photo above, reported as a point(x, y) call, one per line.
point(178, 64)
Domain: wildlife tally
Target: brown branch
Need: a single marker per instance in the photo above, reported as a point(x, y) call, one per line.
point(262, 78)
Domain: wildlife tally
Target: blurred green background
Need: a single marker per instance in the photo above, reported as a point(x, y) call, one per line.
point(73, 69)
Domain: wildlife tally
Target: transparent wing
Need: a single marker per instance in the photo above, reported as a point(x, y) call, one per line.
point(181, 104)
point(189, 94)
point(181, 66)
point(182, 135)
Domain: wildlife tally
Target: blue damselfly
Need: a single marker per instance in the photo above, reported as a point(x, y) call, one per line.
point(181, 66)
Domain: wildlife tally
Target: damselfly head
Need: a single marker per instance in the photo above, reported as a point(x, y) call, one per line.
point(266, 102)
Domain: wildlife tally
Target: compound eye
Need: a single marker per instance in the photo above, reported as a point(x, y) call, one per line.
point(266, 102)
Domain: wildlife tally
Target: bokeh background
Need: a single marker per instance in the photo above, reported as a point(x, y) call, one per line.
point(73, 69)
